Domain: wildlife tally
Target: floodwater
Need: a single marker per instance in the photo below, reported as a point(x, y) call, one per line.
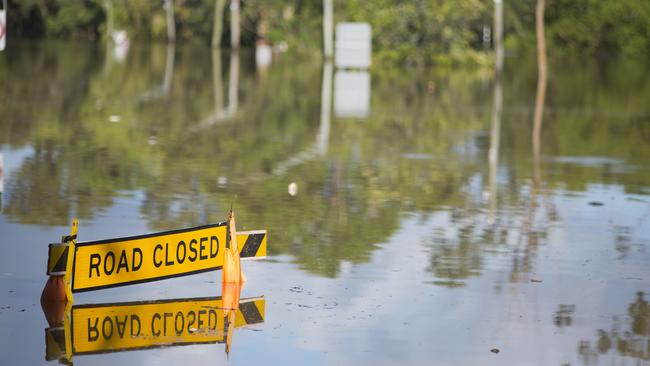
point(413, 218)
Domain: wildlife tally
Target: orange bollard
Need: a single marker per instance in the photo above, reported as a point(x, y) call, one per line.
point(54, 300)
point(230, 293)
point(54, 290)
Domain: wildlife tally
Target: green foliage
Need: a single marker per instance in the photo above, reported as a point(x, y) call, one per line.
point(421, 32)
point(604, 28)
point(296, 22)
point(143, 20)
point(418, 32)
point(64, 19)
point(601, 26)
point(74, 18)
point(194, 20)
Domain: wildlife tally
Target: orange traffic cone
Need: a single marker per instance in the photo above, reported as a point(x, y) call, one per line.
point(231, 262)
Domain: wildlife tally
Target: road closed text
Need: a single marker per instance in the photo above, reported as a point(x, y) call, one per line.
point(140, 259)
point(130, 261)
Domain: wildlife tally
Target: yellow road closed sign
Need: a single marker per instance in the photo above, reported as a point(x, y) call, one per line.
point(143, 258)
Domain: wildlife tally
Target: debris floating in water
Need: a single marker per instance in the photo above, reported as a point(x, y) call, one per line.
point(494, 350)
point(114, 118)
point(293, 189)
point(596, 203)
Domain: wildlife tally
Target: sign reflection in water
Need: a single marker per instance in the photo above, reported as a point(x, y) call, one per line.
point(100, 328)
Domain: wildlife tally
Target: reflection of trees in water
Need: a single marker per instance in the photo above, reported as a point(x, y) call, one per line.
point(454, 256)
point(350, 198)
point(628, 337)
point(627, 237)
point(524, 254)
point(48, 186)
point(81, 157)
point(473, 232)
point(30, 102)
point(459, 247)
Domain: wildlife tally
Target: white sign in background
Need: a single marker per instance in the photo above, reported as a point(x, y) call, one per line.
point(3, 28)
point(353, 45)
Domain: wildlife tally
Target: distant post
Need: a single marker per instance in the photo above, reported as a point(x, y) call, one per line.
point(3, 25)
point(234, 24)
point(171, 25)
point(328, 28)
point(498, 34)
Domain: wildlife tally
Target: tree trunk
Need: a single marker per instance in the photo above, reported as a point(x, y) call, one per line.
point(498, 34)
point(109, 19)
point(171, 24)
point(217, 30)
point(234, 25)
point(328, 28)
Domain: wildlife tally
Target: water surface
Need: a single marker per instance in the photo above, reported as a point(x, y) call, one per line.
point(422, 226)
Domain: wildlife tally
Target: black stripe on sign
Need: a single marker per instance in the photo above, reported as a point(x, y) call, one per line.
point(251, 313)
point(68, 238)
point(252, 245)
point(60, 265)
